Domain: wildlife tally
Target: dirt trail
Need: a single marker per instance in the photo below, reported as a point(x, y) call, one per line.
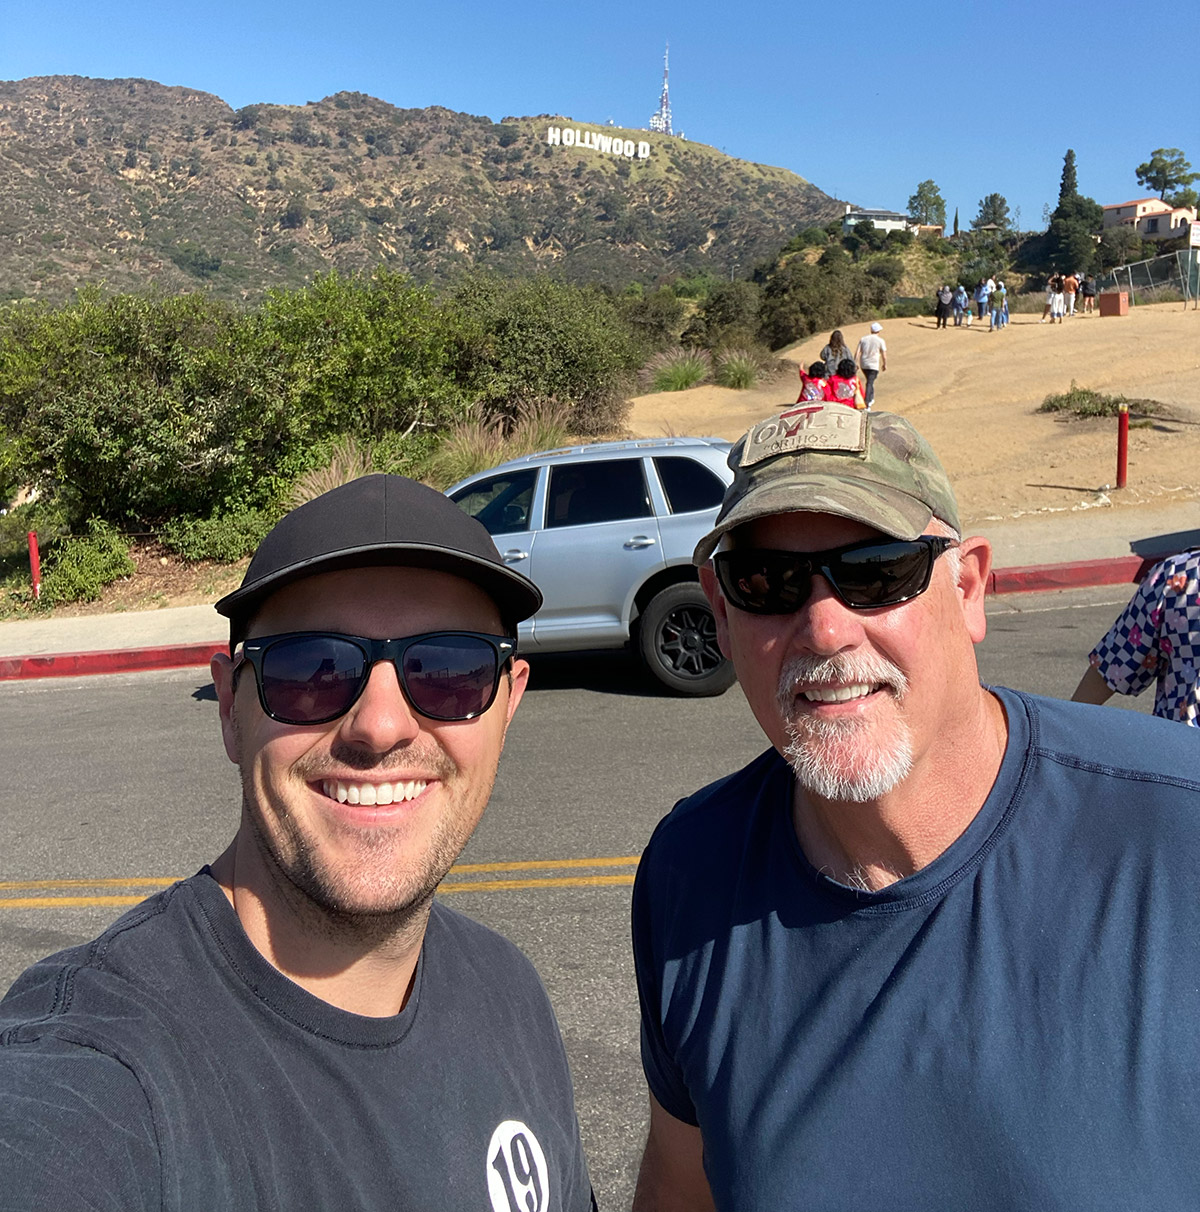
point(974, 394)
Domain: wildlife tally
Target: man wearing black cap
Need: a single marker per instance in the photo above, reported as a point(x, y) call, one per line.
point(939, 946)
point(300, 1025)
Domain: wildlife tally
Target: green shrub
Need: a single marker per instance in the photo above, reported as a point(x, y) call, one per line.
point(738, 368)
point(225, 537)
point(78, 568)
point(1084, 402)
point(539, 339)
point(677, 369)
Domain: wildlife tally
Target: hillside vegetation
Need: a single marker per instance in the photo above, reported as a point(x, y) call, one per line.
point(130, 182)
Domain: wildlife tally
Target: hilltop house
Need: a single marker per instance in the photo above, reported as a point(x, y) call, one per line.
point(1152, 218)
point(884, 220)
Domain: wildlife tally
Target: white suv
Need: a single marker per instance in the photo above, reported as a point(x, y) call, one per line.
point(606, 532)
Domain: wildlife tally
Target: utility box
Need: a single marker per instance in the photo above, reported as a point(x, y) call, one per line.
point(1115, 303)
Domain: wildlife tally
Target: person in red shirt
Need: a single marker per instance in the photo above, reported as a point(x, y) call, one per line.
point(844, 387)
point(813, 385)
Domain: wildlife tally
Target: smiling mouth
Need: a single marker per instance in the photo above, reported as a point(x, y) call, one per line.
point(373, 793)
point(838, 694)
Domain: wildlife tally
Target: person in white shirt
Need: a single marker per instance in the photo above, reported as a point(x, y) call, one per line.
point(871, 355)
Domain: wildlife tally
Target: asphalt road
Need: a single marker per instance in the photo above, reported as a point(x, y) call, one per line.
point(123, 779)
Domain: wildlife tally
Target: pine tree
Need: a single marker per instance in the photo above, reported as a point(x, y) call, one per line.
point(1069, 188)
point(956, 220)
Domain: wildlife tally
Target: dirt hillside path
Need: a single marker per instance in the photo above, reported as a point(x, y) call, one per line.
point(974, 395)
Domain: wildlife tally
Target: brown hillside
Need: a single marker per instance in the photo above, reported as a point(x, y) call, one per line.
point(132, 182)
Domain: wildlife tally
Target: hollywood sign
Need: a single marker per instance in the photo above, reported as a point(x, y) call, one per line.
point(567, 136)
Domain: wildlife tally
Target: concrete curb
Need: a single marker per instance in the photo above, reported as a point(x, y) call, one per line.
point(1076, 574)
point(1120, 570)
point(114, 660)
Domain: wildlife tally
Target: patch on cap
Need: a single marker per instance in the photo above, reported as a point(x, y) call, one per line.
point(815, 427)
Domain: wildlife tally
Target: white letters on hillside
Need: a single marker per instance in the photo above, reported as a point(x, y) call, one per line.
point(568, 136)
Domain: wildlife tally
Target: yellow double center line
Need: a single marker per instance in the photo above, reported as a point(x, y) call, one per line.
point(56, 894)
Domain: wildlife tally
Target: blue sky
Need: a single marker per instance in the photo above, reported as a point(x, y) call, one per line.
point(865, 100)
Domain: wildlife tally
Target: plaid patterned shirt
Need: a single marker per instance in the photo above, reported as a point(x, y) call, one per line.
point(1158, 636)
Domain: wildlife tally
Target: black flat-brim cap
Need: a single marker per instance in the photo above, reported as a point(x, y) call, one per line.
point(377, 520)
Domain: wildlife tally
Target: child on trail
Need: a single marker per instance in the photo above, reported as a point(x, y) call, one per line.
point(844, 386)
point(813, 385)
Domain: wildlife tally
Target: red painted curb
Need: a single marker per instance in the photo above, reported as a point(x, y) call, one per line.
point(1120, 570)
point(115, 660)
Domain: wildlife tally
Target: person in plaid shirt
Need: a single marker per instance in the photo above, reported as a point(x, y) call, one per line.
point(1156, 637)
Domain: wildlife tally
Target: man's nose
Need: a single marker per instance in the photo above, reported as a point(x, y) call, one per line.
point(825, 625)
point(381, 718)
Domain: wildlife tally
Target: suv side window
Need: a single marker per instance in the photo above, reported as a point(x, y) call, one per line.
point(502, 503)
point(582, 494)
point(689, 485)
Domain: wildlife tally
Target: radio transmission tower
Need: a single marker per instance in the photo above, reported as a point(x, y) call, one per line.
point(661, 121)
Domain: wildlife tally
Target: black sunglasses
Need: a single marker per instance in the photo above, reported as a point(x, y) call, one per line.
point(313, 677)
point(863, 575)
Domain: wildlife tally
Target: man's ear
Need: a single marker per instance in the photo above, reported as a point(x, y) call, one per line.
point(720, 609)
point(517, 682)
point(221, 668)
point(975, 569)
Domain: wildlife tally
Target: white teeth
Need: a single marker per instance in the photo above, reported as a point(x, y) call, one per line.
point(373, 793)
point(837, 694)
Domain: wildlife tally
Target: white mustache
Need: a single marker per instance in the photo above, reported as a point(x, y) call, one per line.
point(866, 667)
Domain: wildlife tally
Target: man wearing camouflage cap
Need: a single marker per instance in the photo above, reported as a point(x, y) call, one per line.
point(937, 947)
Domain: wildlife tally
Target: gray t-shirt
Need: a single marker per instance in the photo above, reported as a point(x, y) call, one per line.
point(168, 1065)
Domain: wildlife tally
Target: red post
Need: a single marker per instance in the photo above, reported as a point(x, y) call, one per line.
point(1122, 444)
point(35, 564)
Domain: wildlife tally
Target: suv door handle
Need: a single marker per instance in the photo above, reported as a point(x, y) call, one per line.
point(513, 554)
point(638, 542)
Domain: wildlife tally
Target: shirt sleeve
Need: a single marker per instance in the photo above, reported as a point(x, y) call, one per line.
point(663, 1074)
point(1127, 657)
point(76, 1132)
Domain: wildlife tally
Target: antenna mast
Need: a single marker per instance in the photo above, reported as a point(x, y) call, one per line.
point(661, 121)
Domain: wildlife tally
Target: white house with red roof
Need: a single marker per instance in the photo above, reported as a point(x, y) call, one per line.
point(1153, 218)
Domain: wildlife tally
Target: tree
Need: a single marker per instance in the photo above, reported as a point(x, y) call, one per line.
point(294, 215)
point(1069, 185)
point(956, 220)
point(1166, 169)
point(927, 206)
point(993, 211)
point(1070, 240)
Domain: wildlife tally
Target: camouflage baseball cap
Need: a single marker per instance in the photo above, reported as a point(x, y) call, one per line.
point(872, 467)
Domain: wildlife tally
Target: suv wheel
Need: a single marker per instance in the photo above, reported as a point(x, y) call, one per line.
point(677, 637)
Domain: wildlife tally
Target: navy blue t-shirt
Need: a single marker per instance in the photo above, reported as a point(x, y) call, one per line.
point(1015, 1026)
point(168, 1065)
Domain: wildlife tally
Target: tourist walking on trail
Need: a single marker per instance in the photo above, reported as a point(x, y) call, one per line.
point(836, 352)
point(1156, 639)
point(1088, 290)
point(981, 298)
point(999, 304)
point(962, 304)
point(945, 301)
point(1070, 290)
point(871, 355)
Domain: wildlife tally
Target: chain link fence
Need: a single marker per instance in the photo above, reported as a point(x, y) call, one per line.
point(1168, 279)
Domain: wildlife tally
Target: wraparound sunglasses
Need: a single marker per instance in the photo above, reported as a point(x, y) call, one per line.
point(313, 677)
point(863, 575)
